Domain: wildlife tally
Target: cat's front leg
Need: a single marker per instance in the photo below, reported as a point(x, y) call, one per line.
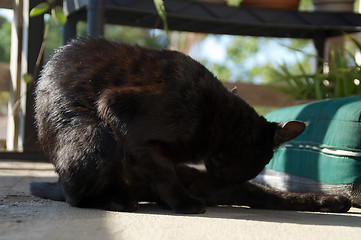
point(160, 174)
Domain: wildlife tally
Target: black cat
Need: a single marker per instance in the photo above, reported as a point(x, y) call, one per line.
point(120, 123)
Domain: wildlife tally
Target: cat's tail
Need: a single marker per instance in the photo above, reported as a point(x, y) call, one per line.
point(52, 191)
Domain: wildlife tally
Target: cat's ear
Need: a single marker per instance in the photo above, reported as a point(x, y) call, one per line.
point(288, 131)
point(234, 91)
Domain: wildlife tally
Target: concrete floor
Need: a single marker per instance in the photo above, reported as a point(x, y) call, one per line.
point(23, 216)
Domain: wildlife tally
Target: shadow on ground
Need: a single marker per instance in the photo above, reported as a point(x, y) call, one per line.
point(23, 216)
point(21, 198)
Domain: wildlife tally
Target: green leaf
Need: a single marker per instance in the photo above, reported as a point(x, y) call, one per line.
point(352, 56)
point(159, 5)
point(58, 14)
point(27, 78)
point(234, 3)
point(357, 43)
point(304, 53)
point(39, 9)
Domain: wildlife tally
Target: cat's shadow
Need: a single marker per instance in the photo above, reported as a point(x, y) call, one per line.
point(349, 219)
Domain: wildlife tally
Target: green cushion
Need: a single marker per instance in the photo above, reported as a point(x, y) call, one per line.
point(329, 150)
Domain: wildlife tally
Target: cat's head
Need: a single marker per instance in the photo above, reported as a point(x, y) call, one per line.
point(242, 162)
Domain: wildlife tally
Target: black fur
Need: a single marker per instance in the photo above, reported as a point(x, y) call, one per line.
point(120, 122)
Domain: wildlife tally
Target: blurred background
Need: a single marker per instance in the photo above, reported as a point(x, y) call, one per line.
point(269, 72)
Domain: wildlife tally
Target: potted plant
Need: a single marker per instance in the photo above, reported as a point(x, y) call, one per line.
point(334, 5)
point(340, 76)
point(273, 4)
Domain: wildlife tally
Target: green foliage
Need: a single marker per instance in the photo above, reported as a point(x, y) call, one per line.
point(262, 72)
point(338, 77)
point(251, 59)
point(54, 38)
point(52, 7)
point(220, 71)
point(296, 83)
point(27, 78)
point(306, 5)
point(4, 96)
point(297, 44)
point(132, 35)
point(58, 14)
point(159, 5)
point(242, 47)
point(239, 51)
point(40, 9)
point(3, 20)
point(5, 40)
point(135, 35)
point(234, 3)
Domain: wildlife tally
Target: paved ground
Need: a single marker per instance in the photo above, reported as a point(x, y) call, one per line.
point(23, 216)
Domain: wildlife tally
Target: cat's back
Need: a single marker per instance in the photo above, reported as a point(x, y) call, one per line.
point(165, 93)
point(98, 63)
point(82, 70)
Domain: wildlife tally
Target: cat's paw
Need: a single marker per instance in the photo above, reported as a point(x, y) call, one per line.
point(334, 203)
point(124, 206)
point(190, 205)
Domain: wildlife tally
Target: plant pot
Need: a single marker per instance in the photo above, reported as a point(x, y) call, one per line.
point(273, 4)
point(334, 5)
point(223, 2)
